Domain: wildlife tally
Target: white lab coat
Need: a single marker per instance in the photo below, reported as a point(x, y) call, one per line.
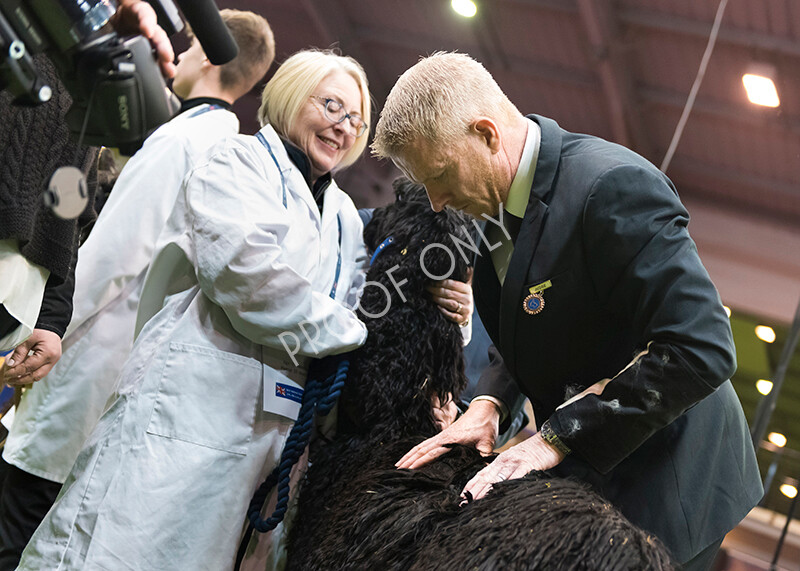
point(165, 479)
point(57, 413)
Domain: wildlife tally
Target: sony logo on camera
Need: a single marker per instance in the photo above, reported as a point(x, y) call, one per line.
point(124, 115)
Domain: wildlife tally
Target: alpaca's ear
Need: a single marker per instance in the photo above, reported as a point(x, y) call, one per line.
point(404, 189)
point(385, 219)
point(372, 229)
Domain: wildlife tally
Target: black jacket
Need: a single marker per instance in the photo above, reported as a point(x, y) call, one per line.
point(34, 142)
point(665, 439)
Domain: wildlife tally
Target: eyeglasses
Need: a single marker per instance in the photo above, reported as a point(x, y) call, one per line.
point(335, 113)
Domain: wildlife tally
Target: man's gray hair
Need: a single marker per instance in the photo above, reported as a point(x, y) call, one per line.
point(437, 99)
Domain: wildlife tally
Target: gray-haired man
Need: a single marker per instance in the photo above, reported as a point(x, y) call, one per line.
point(598, 305)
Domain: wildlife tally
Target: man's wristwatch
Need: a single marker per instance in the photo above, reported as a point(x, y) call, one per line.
point(552, 438)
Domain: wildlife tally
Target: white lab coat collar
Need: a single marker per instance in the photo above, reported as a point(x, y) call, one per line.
point(295, 182)
point(192, 111)
point(334, 196)
point(332, 204)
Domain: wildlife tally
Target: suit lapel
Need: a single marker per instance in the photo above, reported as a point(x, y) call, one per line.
point(529, 235)
point(487, 290)
point(510, 300)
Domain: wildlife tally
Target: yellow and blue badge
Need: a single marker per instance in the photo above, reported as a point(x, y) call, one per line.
point(533, 304)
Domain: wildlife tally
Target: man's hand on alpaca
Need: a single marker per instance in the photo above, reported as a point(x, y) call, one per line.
point(477, 427)
point(532, 454)
point(445, 412)
point(32, 359)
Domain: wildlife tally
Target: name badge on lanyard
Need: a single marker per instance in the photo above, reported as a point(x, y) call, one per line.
point(283, 393)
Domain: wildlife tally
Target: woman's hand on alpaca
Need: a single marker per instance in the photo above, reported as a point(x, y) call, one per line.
point(454, 298)
point(477, 427)
point(445, 412)
point(534, 453)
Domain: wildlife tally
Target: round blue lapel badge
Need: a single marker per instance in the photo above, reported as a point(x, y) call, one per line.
point(533, 304)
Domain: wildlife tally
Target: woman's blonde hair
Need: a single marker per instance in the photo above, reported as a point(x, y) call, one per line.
point(294, 82)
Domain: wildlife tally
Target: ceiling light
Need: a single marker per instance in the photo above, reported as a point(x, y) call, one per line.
point(760, 85)
point(765, 333)
point(727, 310)
point(777, 439)
point(788, 490)
point(763, 386)
point(466, 8)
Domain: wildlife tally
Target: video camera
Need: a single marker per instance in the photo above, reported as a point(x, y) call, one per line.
point(119, 95)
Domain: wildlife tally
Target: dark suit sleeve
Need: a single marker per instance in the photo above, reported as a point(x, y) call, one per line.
point(643, 264)
point(496, 381)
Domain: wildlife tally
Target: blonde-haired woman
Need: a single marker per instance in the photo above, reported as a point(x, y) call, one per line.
point(302, 77)
point(247, 285)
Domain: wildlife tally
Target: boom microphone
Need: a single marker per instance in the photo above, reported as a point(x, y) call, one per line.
point(209, 29)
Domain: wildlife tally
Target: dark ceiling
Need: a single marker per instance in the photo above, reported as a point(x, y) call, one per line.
point(621, 70)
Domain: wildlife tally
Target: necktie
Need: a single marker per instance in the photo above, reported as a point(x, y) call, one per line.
point(501, 256)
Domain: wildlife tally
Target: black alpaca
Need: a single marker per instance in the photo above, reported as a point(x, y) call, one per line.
point(356, 511)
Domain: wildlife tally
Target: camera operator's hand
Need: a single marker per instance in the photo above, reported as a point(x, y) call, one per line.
point(137, 17)
point(32, 359)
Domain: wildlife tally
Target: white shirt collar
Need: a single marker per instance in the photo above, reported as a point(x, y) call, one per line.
point(520, 190)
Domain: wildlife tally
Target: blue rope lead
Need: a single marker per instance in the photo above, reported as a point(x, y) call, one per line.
point(380, 248)
point(318, 397)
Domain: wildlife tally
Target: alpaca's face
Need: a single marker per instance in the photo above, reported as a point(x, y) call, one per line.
point(412, 353)
point(425, 238)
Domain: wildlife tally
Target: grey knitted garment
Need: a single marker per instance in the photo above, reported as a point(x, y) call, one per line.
point(33, 143)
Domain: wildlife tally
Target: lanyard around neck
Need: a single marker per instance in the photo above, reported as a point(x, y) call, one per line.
point(211, 107)
point(338, 260)
point(260, 136)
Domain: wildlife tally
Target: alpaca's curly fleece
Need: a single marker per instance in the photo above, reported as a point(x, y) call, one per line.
point(356, 511)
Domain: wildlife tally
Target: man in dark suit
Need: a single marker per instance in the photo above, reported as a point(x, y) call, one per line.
point(598, 306)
